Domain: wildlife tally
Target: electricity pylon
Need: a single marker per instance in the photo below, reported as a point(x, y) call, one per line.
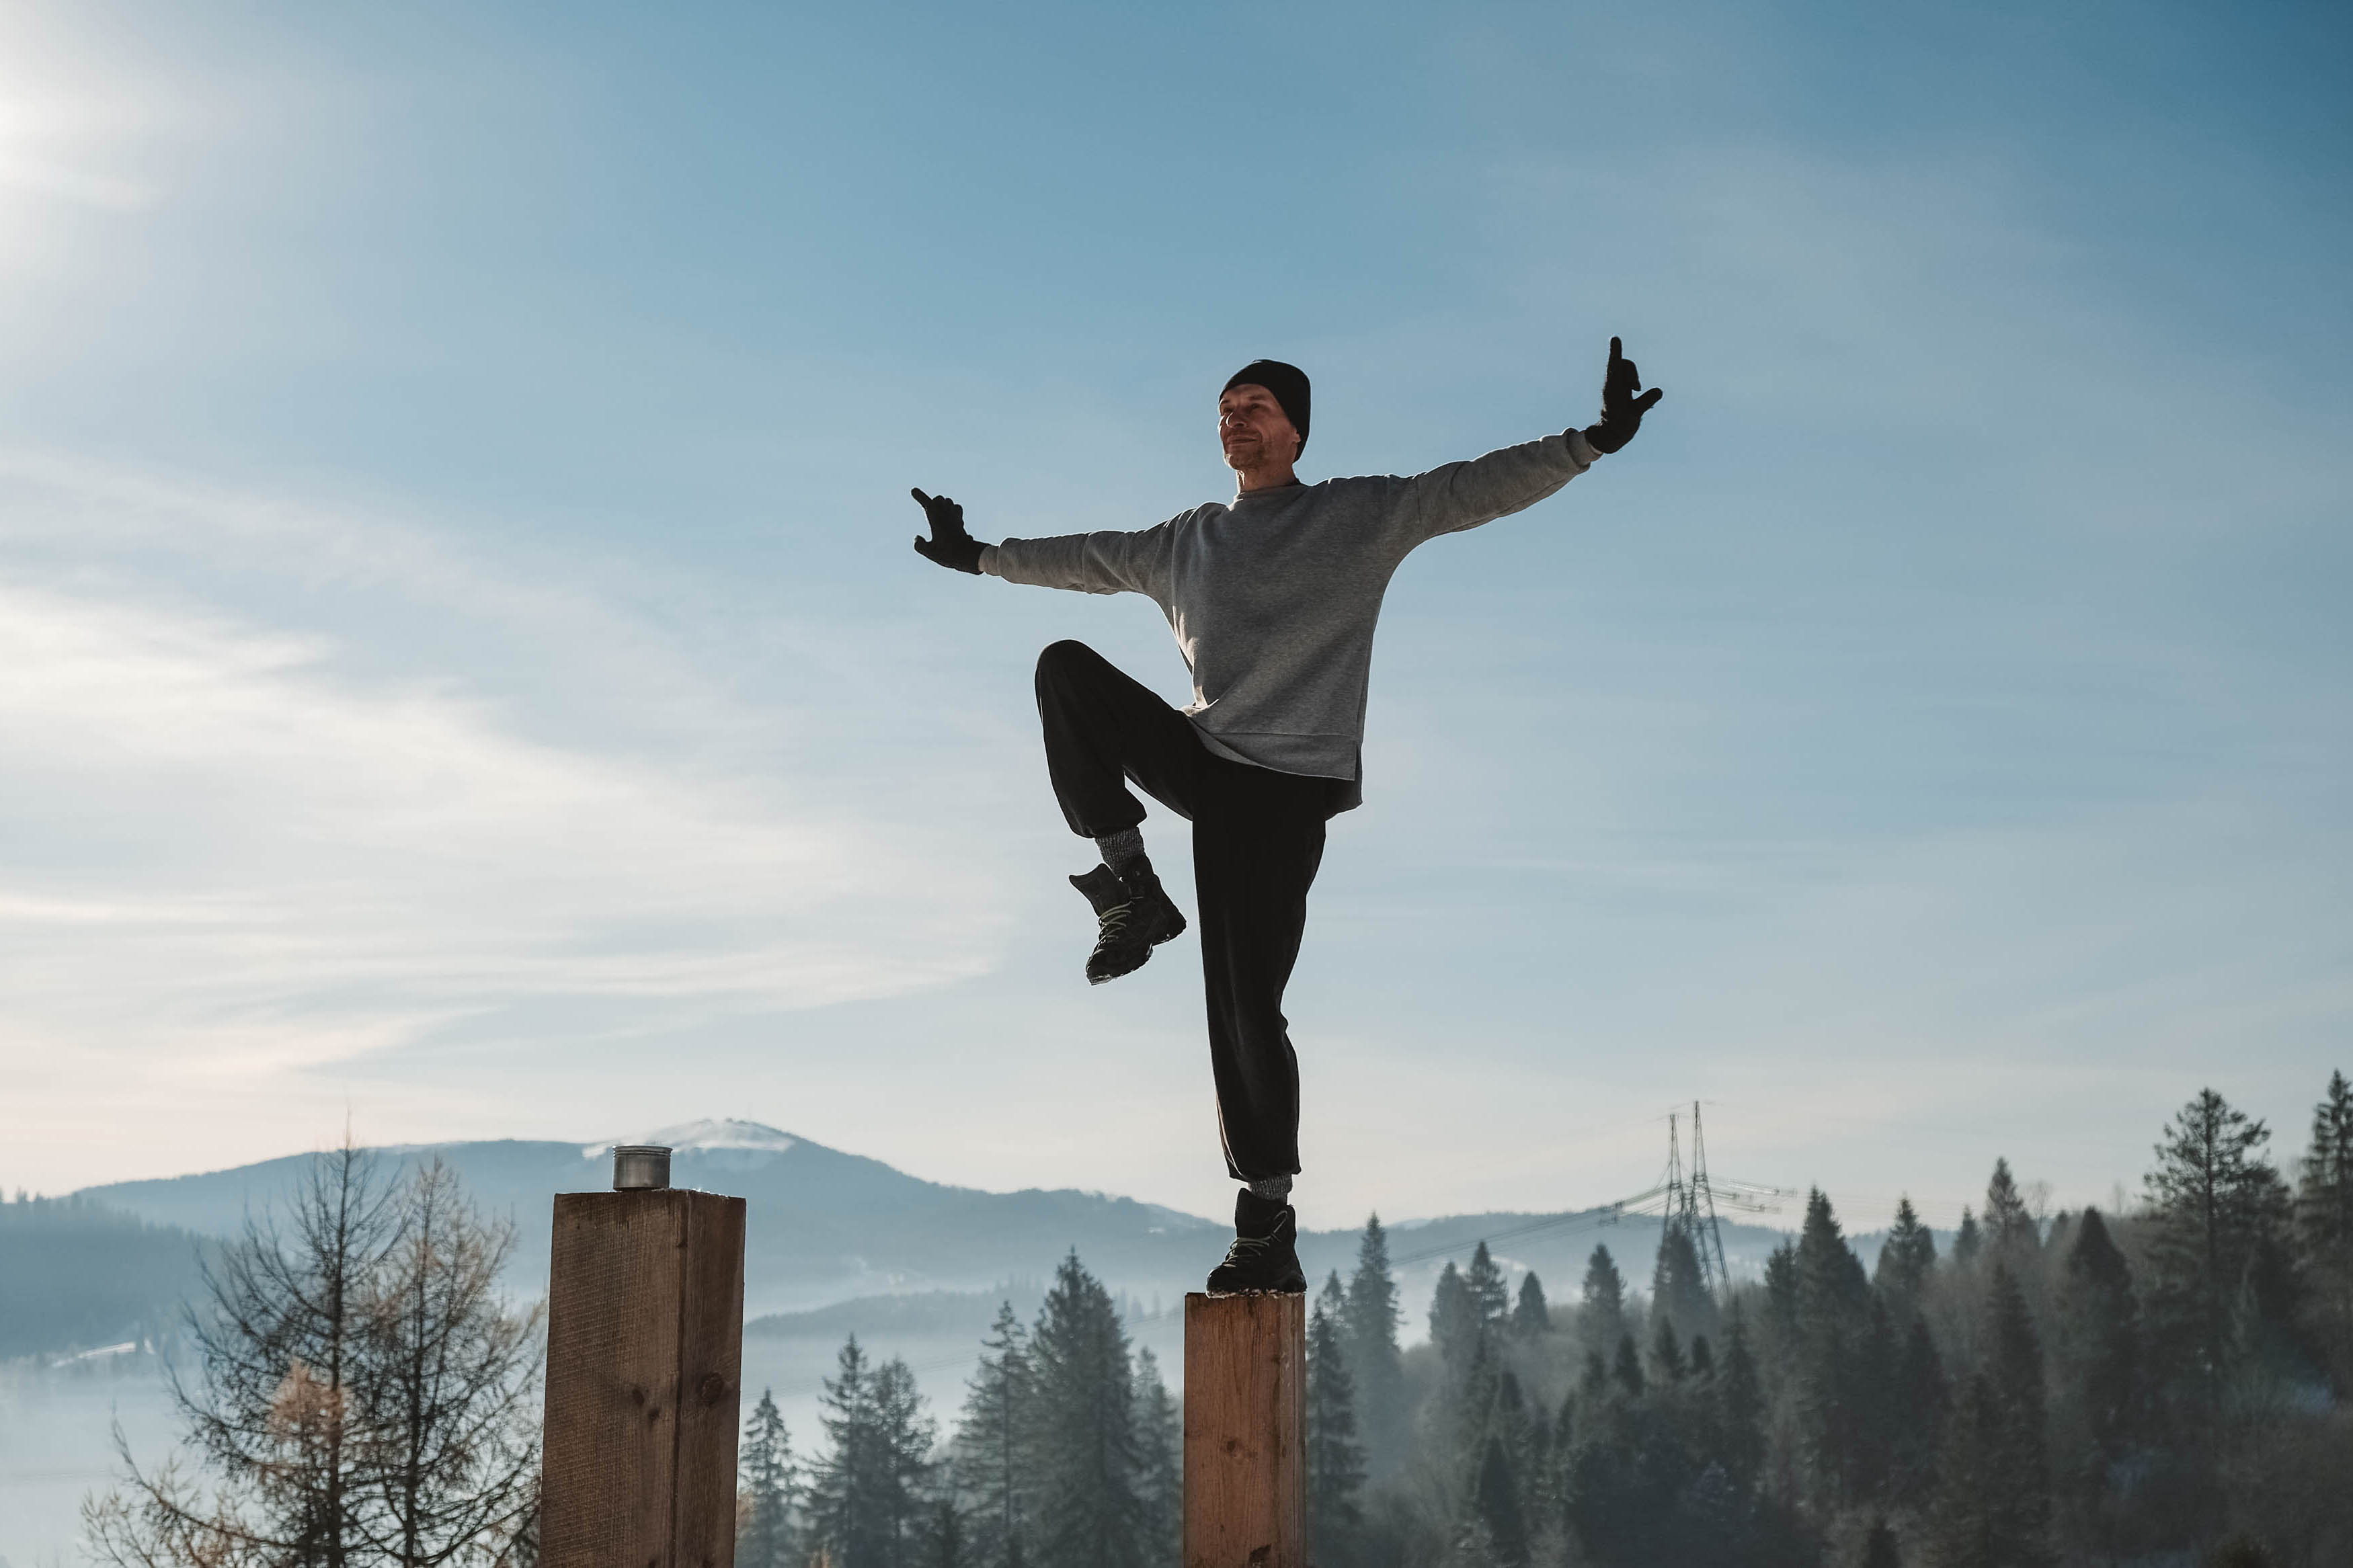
point(1690, 1202)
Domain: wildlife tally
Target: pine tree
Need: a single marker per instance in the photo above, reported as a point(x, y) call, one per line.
point(764, 1538)
point(1560, 1443)
point(1496, 1506)
point(1374, 1360)
point(1831, 1308)
point(1465, 1411)
point(1512, 1424)
point(1160, 1482)
point(1740, 1405)
point(1531, 1317)
point(1490, 1292)
point(1679, 1292)
point(1088, 1513)
point(2017, 1478)
point(2008, 1226)
point(842, 1509)
point(1878, 1370)
point(2218, 1208)
point(1595, 1380)
point(1602, 1320)
point(1906, 1259)
point(2101, 1320)
point(1961, 1532)
point(1781, 1298)
point(865, 1504)
point(1628, 1367)
point(1921, 1399)
point(1702, 1359)
point(1335, 1464)
point(1879, 1548)
point(2324, 1226)
point(990, 1463)
point(904, 1437)
point(1966, 1242)
point(1454, 1326)
point(1666, 1353)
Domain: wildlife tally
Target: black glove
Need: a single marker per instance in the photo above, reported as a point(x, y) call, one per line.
point(1621, 411)
point(949, 545)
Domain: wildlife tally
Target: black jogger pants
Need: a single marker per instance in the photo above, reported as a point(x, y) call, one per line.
point(1258, 838)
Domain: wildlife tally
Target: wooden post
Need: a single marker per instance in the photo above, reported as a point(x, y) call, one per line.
point(1245, 1431)
point(645, 1348)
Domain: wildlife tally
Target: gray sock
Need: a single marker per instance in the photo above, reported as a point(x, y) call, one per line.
point(1271, 1189)
point(1122, 850)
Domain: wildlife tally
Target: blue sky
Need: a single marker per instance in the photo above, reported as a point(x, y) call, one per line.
point(461, 668)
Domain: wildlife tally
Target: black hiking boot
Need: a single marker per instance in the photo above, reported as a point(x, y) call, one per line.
point(1265, 1253)
point(1134, 916)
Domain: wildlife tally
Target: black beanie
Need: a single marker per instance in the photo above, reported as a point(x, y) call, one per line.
point(1287, 381)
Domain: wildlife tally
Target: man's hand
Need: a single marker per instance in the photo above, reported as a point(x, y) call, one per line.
point(949, 545)
point(1621, 410)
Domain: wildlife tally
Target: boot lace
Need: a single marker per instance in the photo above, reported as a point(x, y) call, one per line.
point(1113, 920)
point(1246, 1247)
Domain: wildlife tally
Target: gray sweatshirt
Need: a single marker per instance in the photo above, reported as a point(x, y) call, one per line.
point(1274, 597)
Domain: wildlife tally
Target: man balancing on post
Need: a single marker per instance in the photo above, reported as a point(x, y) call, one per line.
point(1272, 597)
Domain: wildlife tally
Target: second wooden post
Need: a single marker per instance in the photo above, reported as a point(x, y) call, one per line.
point(645, 1339)
point(1245, 1431)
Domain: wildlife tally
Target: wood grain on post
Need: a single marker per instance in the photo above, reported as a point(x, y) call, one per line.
point(1245, 1431)
point(645, 1345)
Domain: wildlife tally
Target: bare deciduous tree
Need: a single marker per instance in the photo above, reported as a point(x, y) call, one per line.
point(361, 1394)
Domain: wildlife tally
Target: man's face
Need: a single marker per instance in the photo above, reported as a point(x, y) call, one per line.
point(1254, 430)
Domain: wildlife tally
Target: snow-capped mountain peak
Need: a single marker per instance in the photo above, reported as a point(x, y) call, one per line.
point(706, 1135)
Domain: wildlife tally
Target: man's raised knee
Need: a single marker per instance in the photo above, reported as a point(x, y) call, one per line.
point(1061, 660)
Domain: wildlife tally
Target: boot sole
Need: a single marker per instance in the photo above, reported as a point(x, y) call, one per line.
point(1143, 958)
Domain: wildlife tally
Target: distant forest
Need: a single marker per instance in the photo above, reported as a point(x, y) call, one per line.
point(80, 1274)
point(2160, 1387)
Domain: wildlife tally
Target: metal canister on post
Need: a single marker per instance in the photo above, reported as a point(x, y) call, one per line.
point(640, 1167)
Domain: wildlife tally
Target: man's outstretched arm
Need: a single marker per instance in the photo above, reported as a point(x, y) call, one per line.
point(1085, 562)
point(1463, 495)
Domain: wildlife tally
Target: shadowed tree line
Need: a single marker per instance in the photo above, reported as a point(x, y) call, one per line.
point(1065, 1455)
point(2160, 1387)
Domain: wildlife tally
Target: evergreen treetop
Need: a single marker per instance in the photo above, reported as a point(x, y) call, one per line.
point(1967, 1241)
point(2219, 1207)
point(988, 1455)
point(1604, 1311)
point(1531, 1317)
point(2325, 1194)
point(1376, 1361)
point(1336, 1462)
point(763, 1539)
point(1490, 1291)
point(1454, 1323)
point(2008, 1225)
point(1373, 1314)
point(1089, 1509)
point(1907, 1257)
point(1679, 1289)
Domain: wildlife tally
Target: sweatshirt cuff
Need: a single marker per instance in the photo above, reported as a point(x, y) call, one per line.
point(1584, 451)
point(988, 561)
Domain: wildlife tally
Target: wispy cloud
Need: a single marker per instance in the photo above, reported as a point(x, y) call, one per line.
point(236, 851)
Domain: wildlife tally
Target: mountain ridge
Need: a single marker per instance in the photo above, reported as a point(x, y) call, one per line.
point(827, 1226)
